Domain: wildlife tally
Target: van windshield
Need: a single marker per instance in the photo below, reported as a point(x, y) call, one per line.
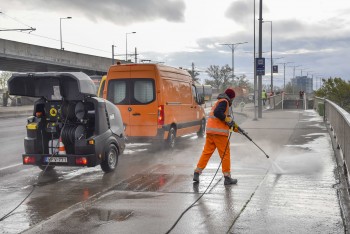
point(131, 91)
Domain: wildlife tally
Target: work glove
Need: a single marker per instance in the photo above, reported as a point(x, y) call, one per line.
point(232, 124)
point(235, 127)
point(229, 121)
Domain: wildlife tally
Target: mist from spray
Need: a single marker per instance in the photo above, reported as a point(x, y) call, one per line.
point(276, 168)
point(304, 159)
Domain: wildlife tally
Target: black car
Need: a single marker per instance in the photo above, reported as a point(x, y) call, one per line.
point(70, 126)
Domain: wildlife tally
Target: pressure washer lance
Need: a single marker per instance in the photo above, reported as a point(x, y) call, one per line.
point(240, 130)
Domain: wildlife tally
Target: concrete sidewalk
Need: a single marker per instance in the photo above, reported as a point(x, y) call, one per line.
point(294, 191)
point(15, 111)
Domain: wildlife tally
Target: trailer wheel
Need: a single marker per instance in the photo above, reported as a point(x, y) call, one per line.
point(201, 131)
point(49, 168)
point(170, 142)
point(110, 160)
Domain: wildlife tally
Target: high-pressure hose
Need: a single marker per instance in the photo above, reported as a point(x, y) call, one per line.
point(240, 130)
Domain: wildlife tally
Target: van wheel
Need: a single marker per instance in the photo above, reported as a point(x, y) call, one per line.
point(49, 168)
point(110, 160)
point(171, 138)
point(201, 131)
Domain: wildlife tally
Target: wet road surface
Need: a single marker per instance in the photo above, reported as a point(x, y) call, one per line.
point(152, 188)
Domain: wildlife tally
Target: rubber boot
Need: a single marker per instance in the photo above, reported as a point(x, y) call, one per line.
point(229, 180)
point(196, 177)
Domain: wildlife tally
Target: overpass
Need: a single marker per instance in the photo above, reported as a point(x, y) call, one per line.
point(22, 57)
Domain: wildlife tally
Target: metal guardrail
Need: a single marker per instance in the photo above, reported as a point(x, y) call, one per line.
point(339, 121)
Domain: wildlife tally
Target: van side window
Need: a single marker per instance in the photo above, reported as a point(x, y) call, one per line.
point(143, 91)
point(131, 91)
point(117, 92)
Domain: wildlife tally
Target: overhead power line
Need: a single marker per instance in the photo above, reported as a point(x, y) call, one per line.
point(22, 30)
point(31, 29)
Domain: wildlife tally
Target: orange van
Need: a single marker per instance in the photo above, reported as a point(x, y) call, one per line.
point(157, 102)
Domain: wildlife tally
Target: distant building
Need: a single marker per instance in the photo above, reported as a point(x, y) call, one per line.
point(302, 83)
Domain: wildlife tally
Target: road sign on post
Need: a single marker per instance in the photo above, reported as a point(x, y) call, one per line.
point(260, 66)
point(275, 68)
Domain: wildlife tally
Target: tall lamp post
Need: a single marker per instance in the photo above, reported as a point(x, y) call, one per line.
point(126, 45)
point(284, 74)
point(260, 57)
point(265, 21)
point(113, 46)
point(233, 46)
point(255, 78)
point(61, 29)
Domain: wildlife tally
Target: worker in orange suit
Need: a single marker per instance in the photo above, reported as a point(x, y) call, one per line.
point(217, 136)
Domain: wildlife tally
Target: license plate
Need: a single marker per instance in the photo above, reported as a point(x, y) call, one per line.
point(56, 159)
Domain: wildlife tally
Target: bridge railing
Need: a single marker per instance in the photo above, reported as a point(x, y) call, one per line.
point(339, 121)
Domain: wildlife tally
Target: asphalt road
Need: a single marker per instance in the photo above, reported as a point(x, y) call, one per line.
point(64, 187)
point(12, 134)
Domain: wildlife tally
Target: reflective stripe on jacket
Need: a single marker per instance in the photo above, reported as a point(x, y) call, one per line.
point(215, 125)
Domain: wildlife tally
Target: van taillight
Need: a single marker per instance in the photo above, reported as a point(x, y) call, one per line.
point(161, 115)
point(29, 160)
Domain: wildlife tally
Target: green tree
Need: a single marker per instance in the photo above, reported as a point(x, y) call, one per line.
point(4, 76)
point(193, 73)
point(222, 77)
point(336, 90)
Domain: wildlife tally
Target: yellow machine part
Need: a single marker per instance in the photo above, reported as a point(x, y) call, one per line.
point(32, 126)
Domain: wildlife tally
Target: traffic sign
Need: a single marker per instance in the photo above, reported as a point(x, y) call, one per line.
point(275, 68)
point(260, 66)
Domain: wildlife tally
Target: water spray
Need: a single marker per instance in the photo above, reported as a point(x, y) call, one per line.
point(246, 135)
point(275, 167)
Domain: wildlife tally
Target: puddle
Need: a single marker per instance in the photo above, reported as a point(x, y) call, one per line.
point(109, 215)
point(144, 182)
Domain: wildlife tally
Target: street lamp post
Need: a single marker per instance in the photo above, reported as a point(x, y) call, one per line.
point(271, 57)
point(255, 78)
point(284, 74)
point(126, 45)
point(233, 46)
point(113, 46)
point(61, 29)
point(260, 56)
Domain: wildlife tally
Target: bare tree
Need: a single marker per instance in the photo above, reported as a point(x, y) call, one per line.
point(221, 76)
point(4, 76)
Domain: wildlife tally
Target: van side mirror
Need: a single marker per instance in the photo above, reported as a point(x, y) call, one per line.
point(200, 99)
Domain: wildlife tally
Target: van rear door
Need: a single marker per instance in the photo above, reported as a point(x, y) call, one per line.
point(136, 98)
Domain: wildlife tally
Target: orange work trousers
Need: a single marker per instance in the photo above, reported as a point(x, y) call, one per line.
point(213, 142)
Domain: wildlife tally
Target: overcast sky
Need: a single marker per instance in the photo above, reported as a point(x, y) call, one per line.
point(310, 34)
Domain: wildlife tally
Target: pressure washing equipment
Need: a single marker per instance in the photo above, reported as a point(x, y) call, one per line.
point(67, 112)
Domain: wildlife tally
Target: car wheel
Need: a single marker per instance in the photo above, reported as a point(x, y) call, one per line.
point(201, 131)
point(171, 138)
point(49, 168)
point(110, 160)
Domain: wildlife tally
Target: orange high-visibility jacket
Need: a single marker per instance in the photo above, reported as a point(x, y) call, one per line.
point(216, 125)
